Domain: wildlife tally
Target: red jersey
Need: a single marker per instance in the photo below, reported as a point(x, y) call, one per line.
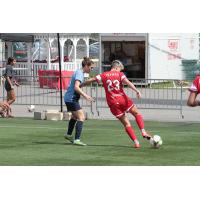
point(195, 87)
point(112, 83)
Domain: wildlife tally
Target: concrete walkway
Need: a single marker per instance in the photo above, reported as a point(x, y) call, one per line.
point(190, 114)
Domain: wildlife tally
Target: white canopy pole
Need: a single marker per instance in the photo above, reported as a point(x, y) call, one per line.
point(29, 59)
point(49, 41)
point(75, 40)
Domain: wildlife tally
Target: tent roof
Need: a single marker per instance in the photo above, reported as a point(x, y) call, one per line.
point(29, 37)
point(17, 37)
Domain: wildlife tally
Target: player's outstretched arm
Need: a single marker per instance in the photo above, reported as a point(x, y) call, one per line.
point(16, 83)
point(132, 86)
point(88, 82)
point(79, 91)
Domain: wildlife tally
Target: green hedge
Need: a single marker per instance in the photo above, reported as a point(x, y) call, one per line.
point(190, 68)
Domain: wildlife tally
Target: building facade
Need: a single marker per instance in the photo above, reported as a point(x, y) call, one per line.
point(144, 55)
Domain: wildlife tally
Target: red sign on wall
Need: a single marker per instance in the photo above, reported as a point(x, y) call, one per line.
point(173, 44)
point(174, 49)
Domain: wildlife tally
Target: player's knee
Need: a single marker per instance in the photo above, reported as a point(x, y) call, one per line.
point(12, 98)
point(127, 124)
point(135, 113)
point(81, 118)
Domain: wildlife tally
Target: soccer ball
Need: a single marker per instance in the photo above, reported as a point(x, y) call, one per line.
point(31, 108)
point(156, 141)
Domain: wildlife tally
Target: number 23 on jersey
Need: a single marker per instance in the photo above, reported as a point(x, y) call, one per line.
point(112, 85)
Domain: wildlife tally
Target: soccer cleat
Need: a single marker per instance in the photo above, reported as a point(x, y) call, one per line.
point(136, 145)
point(69, 137)
point(78, 142)
point(146, 135)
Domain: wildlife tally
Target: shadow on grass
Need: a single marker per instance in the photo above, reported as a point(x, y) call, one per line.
point(88, 145)
point(48, 142)
point(108, 145)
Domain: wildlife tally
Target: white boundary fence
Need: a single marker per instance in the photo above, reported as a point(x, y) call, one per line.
point(156, 94)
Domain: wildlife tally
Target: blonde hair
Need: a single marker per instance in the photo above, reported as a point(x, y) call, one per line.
point(117, 63)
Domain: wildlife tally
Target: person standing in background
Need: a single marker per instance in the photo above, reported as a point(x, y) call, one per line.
point(10, 82)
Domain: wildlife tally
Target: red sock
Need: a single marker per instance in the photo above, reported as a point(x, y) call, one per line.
point(131, 133)
point(139, 121)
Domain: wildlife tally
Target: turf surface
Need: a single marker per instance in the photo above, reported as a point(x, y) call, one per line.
point(30, 142)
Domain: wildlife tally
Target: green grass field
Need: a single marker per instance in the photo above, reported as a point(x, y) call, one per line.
point(30, 142)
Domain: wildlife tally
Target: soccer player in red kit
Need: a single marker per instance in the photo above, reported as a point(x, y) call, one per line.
point(118, 102)
point(194, 91)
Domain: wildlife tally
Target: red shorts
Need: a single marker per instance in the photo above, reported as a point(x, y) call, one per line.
point(121, 106)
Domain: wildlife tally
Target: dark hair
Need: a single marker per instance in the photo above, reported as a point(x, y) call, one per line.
point(87, 61)
point(10, 60)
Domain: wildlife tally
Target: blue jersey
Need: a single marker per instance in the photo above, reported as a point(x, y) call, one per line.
point(71, 95)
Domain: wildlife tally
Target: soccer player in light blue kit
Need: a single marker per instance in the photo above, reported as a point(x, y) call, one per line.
point(71, 99)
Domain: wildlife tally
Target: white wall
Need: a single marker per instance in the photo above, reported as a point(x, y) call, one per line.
point(2, 53)
point(166, 50)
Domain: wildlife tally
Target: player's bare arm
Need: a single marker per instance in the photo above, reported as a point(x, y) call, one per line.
point(16, 83)
point(88, 82)
point(132, 86)
point(79, 91)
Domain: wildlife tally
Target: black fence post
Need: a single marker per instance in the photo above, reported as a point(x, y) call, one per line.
point(60, 74)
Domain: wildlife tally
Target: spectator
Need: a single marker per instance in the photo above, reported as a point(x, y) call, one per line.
point(10, 82)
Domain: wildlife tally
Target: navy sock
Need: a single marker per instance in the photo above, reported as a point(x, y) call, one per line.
point(71, 125)
point(79, 126)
